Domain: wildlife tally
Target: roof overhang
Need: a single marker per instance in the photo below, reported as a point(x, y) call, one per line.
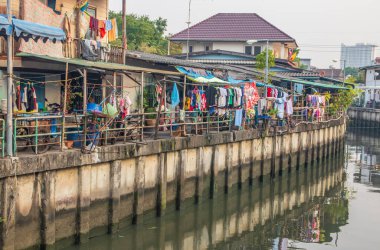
point(97, 65)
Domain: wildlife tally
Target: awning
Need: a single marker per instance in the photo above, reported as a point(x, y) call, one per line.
point(26, 30)
point(5, 27)
point(97, 65)
point(316, 84)
point(206, 77)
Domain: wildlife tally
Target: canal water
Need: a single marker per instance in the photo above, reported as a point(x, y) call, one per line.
point(332, 204)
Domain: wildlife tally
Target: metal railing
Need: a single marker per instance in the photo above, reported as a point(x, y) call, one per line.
point(72, 49)
point(41, 133)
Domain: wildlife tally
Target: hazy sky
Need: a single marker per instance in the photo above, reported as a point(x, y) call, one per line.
point(319, 26)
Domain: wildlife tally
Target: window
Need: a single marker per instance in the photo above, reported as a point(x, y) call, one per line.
point(91, 10)
point(257, 50)
point(248, 50)
point(190, 49)
point(53, 5)
point(208, 47)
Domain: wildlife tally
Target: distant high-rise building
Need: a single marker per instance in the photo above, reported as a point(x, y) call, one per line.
point(356, 56)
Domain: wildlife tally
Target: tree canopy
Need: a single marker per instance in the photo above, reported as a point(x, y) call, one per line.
point(143, 33)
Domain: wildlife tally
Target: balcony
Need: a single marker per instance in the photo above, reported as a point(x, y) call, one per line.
point(109, 53)
point(73, 49)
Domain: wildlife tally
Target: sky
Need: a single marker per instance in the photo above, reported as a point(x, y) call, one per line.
point(319, 26)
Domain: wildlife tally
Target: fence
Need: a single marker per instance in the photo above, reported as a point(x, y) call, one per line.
point(41, 133)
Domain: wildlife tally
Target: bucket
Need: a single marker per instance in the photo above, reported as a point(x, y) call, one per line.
point(93, 107)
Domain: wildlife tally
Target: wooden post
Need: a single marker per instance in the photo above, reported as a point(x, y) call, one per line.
point(183, 105)
point(142, 106)
point(85, 106)
point(85, 91)
point(124, 24)
point(162, 101)
point(64, 106)
point(9, 121)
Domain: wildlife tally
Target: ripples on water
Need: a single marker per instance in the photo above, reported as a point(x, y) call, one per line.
point(333, 205)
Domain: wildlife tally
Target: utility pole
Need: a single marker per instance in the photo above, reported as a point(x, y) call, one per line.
point(267, 64)
point(9, 126)
point(188, 32)
point(124, 28)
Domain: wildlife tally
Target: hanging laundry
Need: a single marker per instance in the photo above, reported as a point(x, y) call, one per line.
point(280, 106)
point(238, 118)
point(94, 25)
point(262, 104)
point(211, 94)
point(67, 28)
point(231, 94)
point(102, 29)
point(222, 99)
point(113, 33)
point(237, 97)
point(108, 25)
point(31, 99)
point(175, 96)
point(288, 104)
point(298, 88)
point(84, 23)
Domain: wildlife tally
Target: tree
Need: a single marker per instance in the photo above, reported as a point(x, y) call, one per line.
point(352, 71)
point(143, 33)
point(261, 62)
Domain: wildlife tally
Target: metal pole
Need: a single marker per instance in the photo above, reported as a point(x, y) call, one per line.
point(168, 46)
point(267, 63)
point(64, 106)
point(344, 72)
point(142, 106)
point(188, 32)
point(9, 128)
point(124, 31)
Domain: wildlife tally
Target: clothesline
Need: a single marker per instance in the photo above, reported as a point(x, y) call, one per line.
point(45, 82)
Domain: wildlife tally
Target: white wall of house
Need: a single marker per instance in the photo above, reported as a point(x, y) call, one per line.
point(53, 90)
point(372, 81)
point(280, 49)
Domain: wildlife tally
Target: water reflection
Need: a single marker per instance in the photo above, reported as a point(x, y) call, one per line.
point(330, 205)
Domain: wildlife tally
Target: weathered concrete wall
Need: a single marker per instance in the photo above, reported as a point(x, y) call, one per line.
point(364, 118)
point(231, 218)
point(70, 197)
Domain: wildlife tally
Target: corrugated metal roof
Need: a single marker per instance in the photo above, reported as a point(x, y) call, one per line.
point(98, 65)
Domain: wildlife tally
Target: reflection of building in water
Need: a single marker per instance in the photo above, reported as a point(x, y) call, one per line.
point(366, 171)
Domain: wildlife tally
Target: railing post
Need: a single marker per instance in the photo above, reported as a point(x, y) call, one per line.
point(142, 106)
point(14, 137)
point(36, 135)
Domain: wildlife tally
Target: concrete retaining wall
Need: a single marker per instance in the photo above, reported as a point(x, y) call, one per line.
point(364, 118)
point(70, 197)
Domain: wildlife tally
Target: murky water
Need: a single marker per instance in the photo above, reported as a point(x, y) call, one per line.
point(332, 205)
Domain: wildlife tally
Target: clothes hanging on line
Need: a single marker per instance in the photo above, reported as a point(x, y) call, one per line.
point(175, 96)
point(238, 117)
point(113, 33)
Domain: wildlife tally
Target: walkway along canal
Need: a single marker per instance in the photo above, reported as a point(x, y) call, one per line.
point(70, 197)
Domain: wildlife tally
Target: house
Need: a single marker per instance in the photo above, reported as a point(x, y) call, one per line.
point(232, 31)
point(372, 86)
point(332, 73)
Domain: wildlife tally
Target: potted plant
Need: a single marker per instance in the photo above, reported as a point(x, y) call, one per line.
point(150, 117)
point(273, 113)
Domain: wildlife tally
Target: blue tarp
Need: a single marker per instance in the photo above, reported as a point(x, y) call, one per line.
point(26, 30)
point(5, 27)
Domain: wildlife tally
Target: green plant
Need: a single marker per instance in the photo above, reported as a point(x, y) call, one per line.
point(261, 64)
point(343, 100)
point(273, 112)
point(150, 110)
